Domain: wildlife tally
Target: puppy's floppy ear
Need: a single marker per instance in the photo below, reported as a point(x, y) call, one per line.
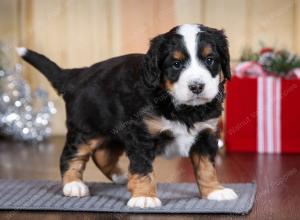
point(223, 50)
point(152, 71)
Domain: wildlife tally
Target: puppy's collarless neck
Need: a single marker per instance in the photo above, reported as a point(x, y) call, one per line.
point(184, 113)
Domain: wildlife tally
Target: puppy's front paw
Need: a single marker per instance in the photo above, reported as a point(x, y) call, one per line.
point(222, 194)
point(76, 189)
point(144, 202)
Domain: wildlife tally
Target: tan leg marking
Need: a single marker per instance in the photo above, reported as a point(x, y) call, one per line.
point(142, 185)
point(106, 160)
point(72, 178)
point(206, 175)
point(77, 164)
point(143, 191)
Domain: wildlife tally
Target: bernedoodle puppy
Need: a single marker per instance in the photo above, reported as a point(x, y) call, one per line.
point(165, 102)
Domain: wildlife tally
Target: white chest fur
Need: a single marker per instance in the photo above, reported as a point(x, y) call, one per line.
point(184, 138)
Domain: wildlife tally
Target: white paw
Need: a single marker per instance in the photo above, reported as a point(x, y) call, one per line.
point(119, 179)
point(144, 202)
point(76, 188)
point(222, 194)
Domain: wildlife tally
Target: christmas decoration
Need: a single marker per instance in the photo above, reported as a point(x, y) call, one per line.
point(24, 115)
point(268, 85)
point(280, 63)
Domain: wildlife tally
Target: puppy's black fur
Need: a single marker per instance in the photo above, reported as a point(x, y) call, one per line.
point(111, 98)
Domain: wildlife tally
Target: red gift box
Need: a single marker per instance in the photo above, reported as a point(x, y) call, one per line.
point(262, 114)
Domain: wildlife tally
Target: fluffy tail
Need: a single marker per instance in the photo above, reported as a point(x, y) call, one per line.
point(48, 68)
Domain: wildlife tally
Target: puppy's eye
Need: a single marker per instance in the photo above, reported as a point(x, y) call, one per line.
point(209, 61)
point(177, 65)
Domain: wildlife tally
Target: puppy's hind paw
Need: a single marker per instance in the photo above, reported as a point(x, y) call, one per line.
point(76, 189)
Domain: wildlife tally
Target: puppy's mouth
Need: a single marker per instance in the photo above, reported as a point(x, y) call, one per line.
point(197, 100)
point(192, 100)
point(198, 97)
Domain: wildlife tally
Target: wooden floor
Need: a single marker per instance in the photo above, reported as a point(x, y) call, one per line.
point(277, 178)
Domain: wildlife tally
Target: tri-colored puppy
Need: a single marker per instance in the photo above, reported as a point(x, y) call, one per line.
point(166, 102)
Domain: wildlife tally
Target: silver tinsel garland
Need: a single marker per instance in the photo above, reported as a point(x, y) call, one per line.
point(24, 115)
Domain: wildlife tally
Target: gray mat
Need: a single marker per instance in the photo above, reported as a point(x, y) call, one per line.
point(106, 197)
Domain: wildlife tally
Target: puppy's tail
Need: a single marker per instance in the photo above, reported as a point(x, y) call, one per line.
point(48, 68)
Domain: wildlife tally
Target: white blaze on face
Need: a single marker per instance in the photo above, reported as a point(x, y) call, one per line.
point(194, 71)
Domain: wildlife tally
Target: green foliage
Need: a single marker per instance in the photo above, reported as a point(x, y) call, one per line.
point(282, 63)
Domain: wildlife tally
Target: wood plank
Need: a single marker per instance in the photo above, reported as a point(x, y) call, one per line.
point(73, 34)
point(230, 15)
point(189, 11)
point(272, 23)
point(8, 20)
point(296, 27)
point(9, 27)
point(143, 20)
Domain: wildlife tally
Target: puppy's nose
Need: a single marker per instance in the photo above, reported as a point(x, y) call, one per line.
point(196, 87)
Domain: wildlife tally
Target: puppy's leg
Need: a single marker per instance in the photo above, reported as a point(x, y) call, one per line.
point(143, 191)
point(72, 164)
point(106, 159)
point(141, 179)
point(202, 155)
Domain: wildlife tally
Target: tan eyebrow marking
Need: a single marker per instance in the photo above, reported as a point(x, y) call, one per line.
point(207, 50)
point(178, 55)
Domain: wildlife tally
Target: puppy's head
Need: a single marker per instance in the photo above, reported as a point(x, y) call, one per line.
point(188, 62)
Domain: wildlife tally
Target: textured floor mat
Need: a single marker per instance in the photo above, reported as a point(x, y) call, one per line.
point(106, 197)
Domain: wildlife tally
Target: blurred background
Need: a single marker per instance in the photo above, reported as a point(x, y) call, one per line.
point(77, 33)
